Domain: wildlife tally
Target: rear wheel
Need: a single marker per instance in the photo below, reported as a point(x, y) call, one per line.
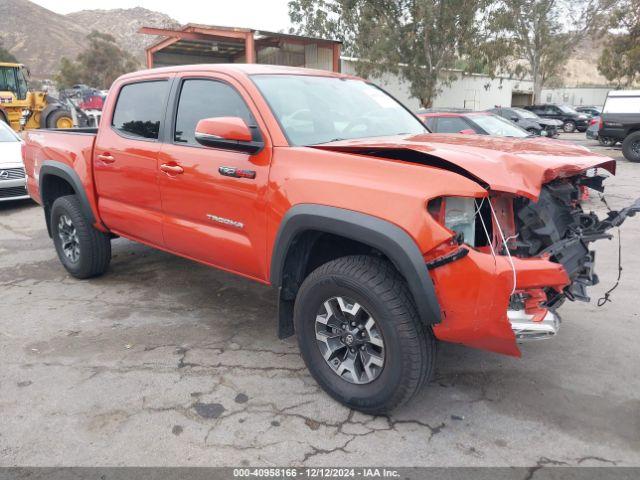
point(83, 251)
point(60, 119)
point(360, 335)
point(607, 141)
point(569, 126)
point(631, 147)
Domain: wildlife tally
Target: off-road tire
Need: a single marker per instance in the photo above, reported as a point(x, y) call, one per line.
point(569, 126)
point(52, 119)
point(94, 246)
point(631, 147)
point(410, 347)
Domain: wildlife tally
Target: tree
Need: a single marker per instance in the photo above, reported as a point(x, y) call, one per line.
point(542, 34)
point(421, 41)
point(6, 55)
point(98, 65)
point(619, 61)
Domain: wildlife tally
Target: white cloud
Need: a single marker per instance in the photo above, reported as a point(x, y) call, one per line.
point(259, 14)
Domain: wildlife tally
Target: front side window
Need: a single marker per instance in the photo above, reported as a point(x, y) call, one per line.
point(313, 110)
point(200, 99)
point(140, 109)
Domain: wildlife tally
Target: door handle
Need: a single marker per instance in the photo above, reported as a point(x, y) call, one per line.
point(106, 158)
point(171, 169)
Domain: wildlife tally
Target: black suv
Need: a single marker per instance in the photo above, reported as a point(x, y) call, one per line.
point(531, 122)
point(620, 120)
point(571, 120)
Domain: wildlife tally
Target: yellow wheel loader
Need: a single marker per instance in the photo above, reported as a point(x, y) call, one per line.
point(23, 109)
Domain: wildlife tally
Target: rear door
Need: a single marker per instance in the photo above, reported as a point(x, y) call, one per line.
point(208, 215)
point(126, 160)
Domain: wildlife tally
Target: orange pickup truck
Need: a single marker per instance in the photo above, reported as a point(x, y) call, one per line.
point(379, 236)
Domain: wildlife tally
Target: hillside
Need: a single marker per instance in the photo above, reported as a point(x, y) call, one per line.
point(124, 24)
point(39, 37)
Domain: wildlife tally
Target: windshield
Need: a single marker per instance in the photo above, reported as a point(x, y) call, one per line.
point(566, 109)
point(525, 113)
point(313, 110)
point(498, 126)
point(6, 134)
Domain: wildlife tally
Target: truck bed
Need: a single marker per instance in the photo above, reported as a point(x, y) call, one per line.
point(70, 149)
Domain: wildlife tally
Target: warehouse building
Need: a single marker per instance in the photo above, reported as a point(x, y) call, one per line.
point(213, 44)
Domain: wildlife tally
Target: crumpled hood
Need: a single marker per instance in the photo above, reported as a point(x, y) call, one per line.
point(518, 166)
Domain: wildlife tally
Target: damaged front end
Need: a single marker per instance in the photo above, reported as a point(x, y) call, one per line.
point(522, 259)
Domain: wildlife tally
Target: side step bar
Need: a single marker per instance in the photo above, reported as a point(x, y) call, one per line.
point(525, 329)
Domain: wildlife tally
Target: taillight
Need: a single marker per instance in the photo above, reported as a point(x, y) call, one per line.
point(457, 214)
point(601, 124)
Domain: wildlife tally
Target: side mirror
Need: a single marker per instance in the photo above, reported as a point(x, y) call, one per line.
point(230, 133)
point(468, 131)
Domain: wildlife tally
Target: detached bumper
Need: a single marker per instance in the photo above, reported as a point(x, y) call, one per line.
point(475, 295)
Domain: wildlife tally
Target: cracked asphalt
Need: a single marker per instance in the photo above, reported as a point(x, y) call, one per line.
point(166, 362)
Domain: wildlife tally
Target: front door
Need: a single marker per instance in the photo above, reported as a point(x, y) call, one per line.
point(208, 215)
point(126, 161)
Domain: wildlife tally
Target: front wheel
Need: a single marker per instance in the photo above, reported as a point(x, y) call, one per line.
point(83, 251)
point(360, 335)
point(569, 126)
point(631, 147)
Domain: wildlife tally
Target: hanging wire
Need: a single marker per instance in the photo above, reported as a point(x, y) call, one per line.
point(506, 247)
point(606, 297)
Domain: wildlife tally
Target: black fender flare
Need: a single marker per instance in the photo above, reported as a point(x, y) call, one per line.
point(65, 172)
point(386, 237)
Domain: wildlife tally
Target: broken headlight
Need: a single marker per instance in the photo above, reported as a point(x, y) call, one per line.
point(457, 214)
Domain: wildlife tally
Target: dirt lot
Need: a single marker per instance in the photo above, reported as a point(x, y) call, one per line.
point(166, 362)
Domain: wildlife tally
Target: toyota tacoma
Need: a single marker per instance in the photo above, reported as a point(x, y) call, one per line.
point(379, 237)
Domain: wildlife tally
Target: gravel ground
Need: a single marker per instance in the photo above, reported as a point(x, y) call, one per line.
point(165, 362)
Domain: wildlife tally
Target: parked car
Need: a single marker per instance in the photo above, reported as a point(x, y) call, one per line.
point(590, 110)
point(378, 236)
point(482, 123)
point(593, 133)
point(592, 129)
point(620, 121)
point(571, 120)
point(12, 177)
point(531, 122)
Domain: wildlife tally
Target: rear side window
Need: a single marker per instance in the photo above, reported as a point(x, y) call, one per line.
point(451, 125)
point(201, 99)
point(140, 109)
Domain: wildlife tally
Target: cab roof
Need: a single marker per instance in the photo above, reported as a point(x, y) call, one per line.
point(243, 69)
